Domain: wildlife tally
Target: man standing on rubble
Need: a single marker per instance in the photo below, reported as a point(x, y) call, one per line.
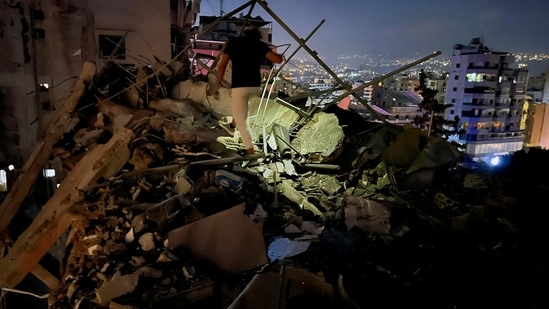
point(246, 53)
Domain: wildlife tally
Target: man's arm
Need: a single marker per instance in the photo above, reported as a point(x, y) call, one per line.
point(222, 67)
point(274, 57)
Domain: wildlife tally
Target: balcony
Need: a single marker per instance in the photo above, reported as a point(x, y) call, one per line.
point(478, 131)
point(485, 68)
point(480, 90)
point(504, 137)
point(485, 83)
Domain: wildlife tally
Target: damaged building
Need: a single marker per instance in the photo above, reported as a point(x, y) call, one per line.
point(151, 206)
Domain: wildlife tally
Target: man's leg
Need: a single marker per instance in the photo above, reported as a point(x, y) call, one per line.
point(239, 106)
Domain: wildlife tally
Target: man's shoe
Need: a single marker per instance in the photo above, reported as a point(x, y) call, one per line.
point(251, 160)
point(251, 163)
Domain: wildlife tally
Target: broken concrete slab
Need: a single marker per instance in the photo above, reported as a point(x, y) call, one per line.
point(319, 139)
point(180, 107)
point(196, 91)
point(221, 238)
point(118, 285)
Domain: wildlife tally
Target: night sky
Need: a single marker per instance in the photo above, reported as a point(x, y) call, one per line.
point(403, 28)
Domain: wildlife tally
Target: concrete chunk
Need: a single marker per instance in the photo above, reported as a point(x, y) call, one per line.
point(119, 285)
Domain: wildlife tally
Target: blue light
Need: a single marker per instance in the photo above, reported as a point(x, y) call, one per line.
point(495, 161)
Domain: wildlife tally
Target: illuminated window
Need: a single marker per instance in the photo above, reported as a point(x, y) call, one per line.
point(480, 125)
point(475, 78)
point(44, 94)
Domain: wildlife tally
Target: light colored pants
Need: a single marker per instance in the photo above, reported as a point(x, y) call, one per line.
point(239, 106)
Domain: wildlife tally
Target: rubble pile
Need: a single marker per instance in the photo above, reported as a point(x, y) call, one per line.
point(338, 213)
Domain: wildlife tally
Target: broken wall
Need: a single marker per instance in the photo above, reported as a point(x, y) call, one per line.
point(45, 42)
point(17, 109)
point(57, 32)
point(148, 24)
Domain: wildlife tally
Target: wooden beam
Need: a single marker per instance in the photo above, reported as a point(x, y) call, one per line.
point(51, 281)
point(42, 152)
point(54, 219)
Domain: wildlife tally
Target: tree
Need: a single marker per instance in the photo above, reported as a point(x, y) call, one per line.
point(433, 112)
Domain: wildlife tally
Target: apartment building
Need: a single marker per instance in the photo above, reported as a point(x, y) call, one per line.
point(487, 90)
point(403, 82)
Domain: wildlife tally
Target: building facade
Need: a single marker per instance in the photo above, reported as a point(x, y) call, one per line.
point(487, 90)
point(538, 88)
point(45, 43)
point(537, 125)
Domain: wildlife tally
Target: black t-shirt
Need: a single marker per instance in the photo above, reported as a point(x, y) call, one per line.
point(246, 54)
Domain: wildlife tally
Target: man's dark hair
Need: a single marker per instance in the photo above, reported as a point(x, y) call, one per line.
point(252, 32)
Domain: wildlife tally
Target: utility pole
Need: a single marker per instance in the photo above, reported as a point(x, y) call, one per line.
point(220, 7)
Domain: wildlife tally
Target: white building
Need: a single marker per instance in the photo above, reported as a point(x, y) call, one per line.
point(320, 86)
point(487, 90)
